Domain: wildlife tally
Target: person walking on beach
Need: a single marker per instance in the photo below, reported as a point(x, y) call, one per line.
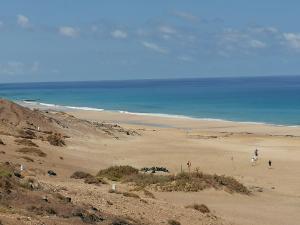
point(253, 161)
point(270, 164)
point(256, 153)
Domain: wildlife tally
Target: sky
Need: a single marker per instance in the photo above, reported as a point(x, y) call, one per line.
point(67, 40)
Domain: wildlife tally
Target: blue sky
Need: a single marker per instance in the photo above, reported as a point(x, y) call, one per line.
point(61, 40)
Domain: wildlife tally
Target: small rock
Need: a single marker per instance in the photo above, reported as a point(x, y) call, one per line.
point(45, 198)
point(109, 202)
point(18, 175)
point(51, 173)
point(1, 142)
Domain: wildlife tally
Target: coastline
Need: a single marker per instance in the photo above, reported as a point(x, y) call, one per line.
point(41, 105)
point(167, 120)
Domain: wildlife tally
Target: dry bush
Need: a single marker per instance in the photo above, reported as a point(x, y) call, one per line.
point(201, 208)
point(88, 178)
point(116, 173)
point(144, 180)
point(80, 175)
point(188, 182)
point(130, 194)
point(115, 191)
point(28, 159)
point(32, 151)
point(63, 198)
point(94, 180)
point(27, 134)
point(173, 222)
point(197, 181)
point(120, 222)
point(26, 142)
point(149, 194)
point(30, 183)
point(125, 194)
point(56, 140)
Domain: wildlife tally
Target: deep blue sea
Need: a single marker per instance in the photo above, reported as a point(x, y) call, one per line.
point(274, 100)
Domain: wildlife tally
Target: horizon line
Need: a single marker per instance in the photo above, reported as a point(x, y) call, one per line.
point(152, 79)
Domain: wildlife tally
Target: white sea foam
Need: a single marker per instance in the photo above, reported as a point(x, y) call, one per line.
point(62, 107)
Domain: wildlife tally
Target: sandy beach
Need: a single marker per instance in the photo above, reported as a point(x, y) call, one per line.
point(223, 148)
point(211, 146)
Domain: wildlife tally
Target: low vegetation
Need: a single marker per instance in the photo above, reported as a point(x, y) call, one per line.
point(56, 139)
point(187, 182)
point(27, 134)
point(94, 180)
point(201, 208)
point(148, 194)
point(155, 169)
point(130, 194)
point(80, 175)
point(26, 197)
point(26, 142)
point(125, 194)
point(88, 178)
point(173, 222)
point(28, 159)
point(4, 172)
point(32, 151)
point(116, 173)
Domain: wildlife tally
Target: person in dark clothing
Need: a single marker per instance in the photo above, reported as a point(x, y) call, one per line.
point(270, 163)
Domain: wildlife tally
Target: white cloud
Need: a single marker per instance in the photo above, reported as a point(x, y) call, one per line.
point(185, 58)
point(69, 31)
point(23, 21)
point(154, 47)
point(119, 34)
point(166, 36)
point(186, 16)
point(293, 40)
point(167, 30)
point(261, 30)
point(232, 40)
point(257, 44)
point(17, 68)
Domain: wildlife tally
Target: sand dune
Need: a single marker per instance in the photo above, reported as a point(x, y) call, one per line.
point(97, 140)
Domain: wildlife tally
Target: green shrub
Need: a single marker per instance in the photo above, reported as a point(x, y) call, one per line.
point(188, 182)
point(116, 173)
point(4, 172)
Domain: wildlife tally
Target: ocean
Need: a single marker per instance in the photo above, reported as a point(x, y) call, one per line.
point(273, 100)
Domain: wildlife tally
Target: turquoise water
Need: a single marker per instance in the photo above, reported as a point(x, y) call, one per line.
point(273, 100)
